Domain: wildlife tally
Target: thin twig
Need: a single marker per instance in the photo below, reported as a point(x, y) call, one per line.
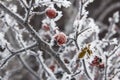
point(112, 53)
point(83, 31)
point(114, 75)
point(46, 69)
point(37, 13)
point(76, 73)
point(15, 53)
point(25, 6)
point(22, 60)
point(27, 48)
point(27, 67)
point(83, 61)
point(106, 67)
point(5, 61)
point(85, 69)
point(28, 11)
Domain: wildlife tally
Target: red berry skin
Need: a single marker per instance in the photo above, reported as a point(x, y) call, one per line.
point(96, 58)
point(101, 66)
point(51, 13)
point(95, 63)
point(52, 67)
point(66, 61)
point(45, 27)
point(61, 38)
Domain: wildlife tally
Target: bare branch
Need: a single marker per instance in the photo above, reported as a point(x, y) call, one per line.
point(106, 67)
point(114, 75)
point(27, 48)
point(46, 69)
point(26, 7)
point(28, 11)
point(5, 61)
point(27, 67)
point(76, 73)
point(83, 31)
point(15, 53)
point(23, 62)
point(112, 53)
point(87, 74)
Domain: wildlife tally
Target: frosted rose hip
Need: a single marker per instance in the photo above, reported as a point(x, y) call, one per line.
point(51, 13)
point(101, 66)
point(52, 67)
point(45, 27)
point(61, 38)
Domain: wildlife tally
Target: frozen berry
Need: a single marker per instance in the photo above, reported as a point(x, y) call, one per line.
point(51, 13)
point(101, 66)
point(95, 62)
point(96, 58)
point(66, 61)
point(61, 38)
point(45, 27)
point(52, 67)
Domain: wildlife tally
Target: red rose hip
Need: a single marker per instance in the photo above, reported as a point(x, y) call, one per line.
point(52, 67)
point(51, 13)
point(101, 66)
point(61, 38)
point(45, 27)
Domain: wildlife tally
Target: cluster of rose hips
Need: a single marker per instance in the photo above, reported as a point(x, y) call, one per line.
point(97, 62)
point(51, 13)
point(59, 37)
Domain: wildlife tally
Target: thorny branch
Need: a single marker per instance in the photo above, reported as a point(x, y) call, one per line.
point(16, 52)
point(37, 37)
point(21, 59)
point(46, 69)
point(76, 36)
point(23, 62)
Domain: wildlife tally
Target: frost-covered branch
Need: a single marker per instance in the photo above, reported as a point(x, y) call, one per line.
point(114, 75)
point(28, 11)
point(23, 3)
point(115, 49)
point(41, 43)
point(46, 69)
point(27, 48)
point(23, 62)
